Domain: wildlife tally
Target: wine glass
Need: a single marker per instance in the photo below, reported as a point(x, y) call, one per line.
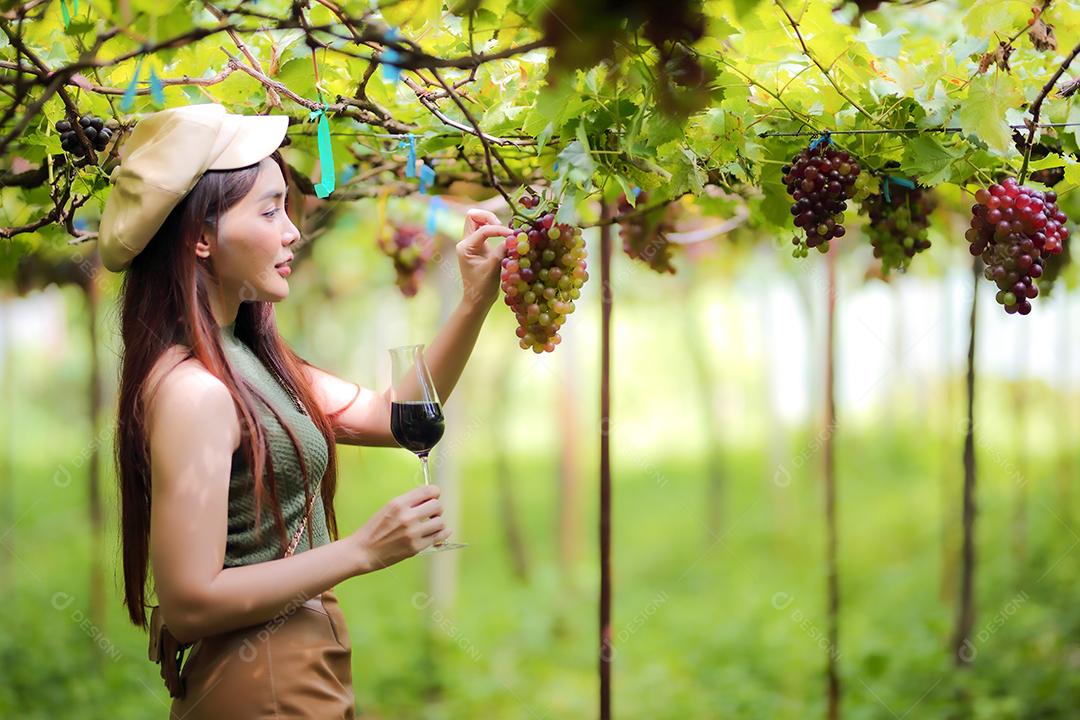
point(416, 417)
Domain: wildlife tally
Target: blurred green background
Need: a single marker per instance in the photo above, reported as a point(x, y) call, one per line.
point(719, 576)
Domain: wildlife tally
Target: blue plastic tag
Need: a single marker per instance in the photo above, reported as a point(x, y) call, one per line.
point(156, 90)
point(427, 177)
point(390, 72)
point(434, 207)
point(326, 154)
point(129, 92)
point(824, 138)
point(410, 164)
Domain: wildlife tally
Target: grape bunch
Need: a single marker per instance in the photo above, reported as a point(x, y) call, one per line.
point(542, 274)
point(898, 226)
point(410, 248)
point(820, 180)
point(95, 129)
point(644, 235)
point(1016, 229)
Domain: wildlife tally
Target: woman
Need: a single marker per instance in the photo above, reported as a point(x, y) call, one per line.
point(225, 443)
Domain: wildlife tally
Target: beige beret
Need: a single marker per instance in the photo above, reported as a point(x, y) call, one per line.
point(167, 153)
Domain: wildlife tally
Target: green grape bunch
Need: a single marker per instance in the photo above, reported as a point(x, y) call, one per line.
point(898, 226)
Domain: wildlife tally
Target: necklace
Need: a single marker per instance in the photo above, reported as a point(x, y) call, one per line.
point(292, 396)
point(299, 405)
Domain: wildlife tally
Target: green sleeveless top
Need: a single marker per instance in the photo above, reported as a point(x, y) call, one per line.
point(242, 547)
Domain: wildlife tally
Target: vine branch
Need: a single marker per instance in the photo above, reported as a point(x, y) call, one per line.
point(1036, 108)
point(822, 68)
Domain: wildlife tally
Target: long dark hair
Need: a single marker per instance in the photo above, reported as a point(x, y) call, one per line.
point(165, 302)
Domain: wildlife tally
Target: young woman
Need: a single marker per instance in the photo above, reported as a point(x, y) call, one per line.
point(226, 438)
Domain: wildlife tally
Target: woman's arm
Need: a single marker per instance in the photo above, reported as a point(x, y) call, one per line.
point(194, 430)
point(362, 416)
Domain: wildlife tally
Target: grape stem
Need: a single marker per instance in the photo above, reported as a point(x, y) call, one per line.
point(900, 131)
point(1036, 108)
point(612, 219)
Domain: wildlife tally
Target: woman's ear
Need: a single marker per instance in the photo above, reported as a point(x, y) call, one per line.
point(203, 244)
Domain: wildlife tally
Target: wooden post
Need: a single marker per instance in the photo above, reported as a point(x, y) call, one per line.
point(97, 515)
point(965, 616)
point(605, 465)
point(832, 570)
point(7, 468)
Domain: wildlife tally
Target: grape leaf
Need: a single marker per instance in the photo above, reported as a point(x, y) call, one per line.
point(982, 114)
point(928, 160)
point(576, 164)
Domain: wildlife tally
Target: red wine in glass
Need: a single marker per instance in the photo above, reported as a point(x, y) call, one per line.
point(417, 425)
point(416, 416)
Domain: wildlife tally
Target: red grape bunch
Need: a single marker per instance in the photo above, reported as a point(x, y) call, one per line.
point(898, 226)
point(820, 180)
point(542, 275)
point(410, 248)
point(1016, 229)
point(95, 129)
point(644, 235)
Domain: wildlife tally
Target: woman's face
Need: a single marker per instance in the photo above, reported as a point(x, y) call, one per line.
point(254, 237)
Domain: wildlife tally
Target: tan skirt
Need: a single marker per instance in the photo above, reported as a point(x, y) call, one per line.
point(298, 665)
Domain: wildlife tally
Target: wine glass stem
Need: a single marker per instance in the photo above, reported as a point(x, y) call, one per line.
point(423, 463)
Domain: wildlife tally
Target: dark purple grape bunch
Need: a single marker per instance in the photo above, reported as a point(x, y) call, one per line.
point(645, 235)
point(542, 274)
point(820, 179)
point(1015, 229)
point(97, 131)
point(899, 223)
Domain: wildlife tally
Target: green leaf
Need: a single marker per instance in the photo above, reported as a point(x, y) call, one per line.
point(745, 7)
point(1074, 120)
point(552, 105)
point(1072, 175)
point(775, 207)
point(1051, 161)
point(51, 141)
point(543, 136)
point(576, 164)
point(79, 28)
point(685, 173)
point(928, 160)
point(567, 211)
point(885, 46)
point(627, 188)
point(582, 137)
point(967, 46)
point(983, 113)
point(988, 17)
point(412, 15)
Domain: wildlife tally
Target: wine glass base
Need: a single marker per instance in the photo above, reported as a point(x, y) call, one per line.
point(432, 549)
